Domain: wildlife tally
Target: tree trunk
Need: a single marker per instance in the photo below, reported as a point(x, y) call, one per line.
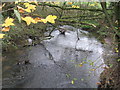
point(117, 14)
point(103, 5)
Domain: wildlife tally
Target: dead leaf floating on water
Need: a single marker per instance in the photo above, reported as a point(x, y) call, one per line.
point(72, 82)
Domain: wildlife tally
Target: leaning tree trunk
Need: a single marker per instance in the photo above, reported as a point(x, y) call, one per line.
point(103, 5)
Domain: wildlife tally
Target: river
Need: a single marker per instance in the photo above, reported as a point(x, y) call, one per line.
point(73, 60)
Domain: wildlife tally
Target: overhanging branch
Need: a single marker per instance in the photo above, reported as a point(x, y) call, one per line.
point(70, 8)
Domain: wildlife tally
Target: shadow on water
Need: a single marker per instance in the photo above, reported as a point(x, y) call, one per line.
point(73, 60)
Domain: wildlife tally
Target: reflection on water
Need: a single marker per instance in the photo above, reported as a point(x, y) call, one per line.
point(73, 60)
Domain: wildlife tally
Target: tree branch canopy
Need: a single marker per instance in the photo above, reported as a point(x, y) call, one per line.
point(70, 8)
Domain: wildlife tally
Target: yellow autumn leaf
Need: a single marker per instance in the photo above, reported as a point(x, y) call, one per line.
point(30, 7)
point(8, 22)
point(75, 6)
point(92, 4)
point(51, 18)
point(69, 3)
point(27, 10)
point(44, 20)
point(37, 19)
point(1, 35)
point(116, 50)
point(26, 4)
point(28, 20)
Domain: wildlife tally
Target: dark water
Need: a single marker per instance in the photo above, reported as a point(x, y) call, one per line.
point(61, 62)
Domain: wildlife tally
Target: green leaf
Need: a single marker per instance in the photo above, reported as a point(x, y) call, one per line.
point(118, 60)
point(17, 15)
point(110, 65)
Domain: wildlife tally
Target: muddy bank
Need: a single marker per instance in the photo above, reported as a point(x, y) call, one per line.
point(109, 78)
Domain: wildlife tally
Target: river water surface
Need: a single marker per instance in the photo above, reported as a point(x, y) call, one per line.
point(73, 60)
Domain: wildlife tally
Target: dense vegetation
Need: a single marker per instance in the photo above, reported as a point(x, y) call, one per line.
point(22, 20)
